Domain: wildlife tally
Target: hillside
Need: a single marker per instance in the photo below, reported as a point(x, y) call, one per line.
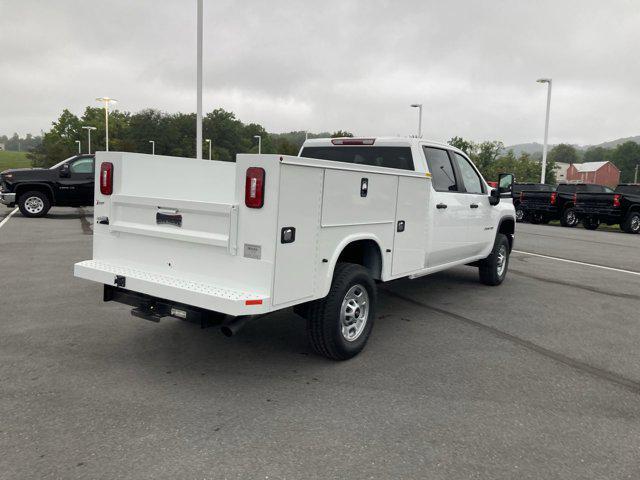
point(534, 147)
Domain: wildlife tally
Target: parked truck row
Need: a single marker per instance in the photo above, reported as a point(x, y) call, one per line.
point(574, 203)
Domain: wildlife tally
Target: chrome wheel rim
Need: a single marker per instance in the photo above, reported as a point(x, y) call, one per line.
point(519, 214)
point(34, 205)
point(635, 223)
point(354, 312)
point(502, 260)
point(571, 218)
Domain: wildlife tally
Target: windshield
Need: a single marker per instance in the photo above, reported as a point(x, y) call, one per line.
point(60, 163)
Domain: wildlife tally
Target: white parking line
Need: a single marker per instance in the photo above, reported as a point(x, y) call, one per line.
point(620, 270)
point(6, 219)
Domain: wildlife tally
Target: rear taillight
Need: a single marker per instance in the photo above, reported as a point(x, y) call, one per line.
point(554, 195)
point(254, 188)
point(106, 178)
point(575, 198)
point(616, 200)
point(521, 196)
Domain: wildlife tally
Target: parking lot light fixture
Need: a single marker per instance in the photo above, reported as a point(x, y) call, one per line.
point(153, 147)
point(208, 140)
point(88, 129)
point(259, 143)
point(106, 101)
point(79, 150)
point(419, 107)
point(548, 81)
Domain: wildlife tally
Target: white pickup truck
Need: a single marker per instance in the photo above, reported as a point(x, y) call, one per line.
point(202, 240)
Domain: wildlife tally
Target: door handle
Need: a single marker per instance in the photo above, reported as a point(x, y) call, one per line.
point(473, 205)
point(441, 205)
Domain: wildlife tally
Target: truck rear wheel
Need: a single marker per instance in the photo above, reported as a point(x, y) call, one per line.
point(631, 223)
point(520, 215)
point(569, 217)
point(34, 204)
point(493, 269)
point(339, 324)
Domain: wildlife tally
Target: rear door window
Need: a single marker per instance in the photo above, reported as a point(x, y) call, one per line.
point(443, 177)
point(388, 157)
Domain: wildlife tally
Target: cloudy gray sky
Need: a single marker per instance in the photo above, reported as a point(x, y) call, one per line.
point(328, 65)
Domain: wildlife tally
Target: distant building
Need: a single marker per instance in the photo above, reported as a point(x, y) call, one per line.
point(602, 173)
point(561, 172)
point(1, 147)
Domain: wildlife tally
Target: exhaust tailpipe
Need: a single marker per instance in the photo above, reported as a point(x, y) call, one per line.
point(234, 325)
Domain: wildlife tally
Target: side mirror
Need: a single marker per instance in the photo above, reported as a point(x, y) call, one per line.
point(64, 170)
point(505, 184)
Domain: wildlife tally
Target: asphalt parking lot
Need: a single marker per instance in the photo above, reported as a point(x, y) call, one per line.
point(537, 378)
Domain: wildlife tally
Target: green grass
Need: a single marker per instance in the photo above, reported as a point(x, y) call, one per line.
point(13, 160)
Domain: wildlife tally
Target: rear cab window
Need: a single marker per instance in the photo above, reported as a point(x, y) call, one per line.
point(629, 189)
point(388, 157)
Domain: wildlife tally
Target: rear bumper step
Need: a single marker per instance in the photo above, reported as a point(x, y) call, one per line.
point(174, 289)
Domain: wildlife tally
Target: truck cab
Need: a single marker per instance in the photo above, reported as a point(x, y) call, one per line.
point(314, 232)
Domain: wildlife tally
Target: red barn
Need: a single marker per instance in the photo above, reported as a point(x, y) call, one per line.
point(602, 173)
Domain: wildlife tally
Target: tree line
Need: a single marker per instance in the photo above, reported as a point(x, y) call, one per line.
point(491, 159)
point(174, 134)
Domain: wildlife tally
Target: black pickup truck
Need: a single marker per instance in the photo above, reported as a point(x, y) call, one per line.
point(35, 190)
point(520, 187)
point(621, 206)
point(542, 207)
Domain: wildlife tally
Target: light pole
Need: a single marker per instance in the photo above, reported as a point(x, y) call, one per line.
point(259, 143)
point(208, 140)
point(199, 83)
point(548, 81)
point(153, 147)
point(635, 177)
point(106, 101)
point(306, 135)
point(88, 129)
point(419, 107)
point(79, 151)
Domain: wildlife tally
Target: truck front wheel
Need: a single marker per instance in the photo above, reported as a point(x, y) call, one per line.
point(569, 218)
point(339, 325)
point(34, 204)
point(590, 223)
point(493, 269)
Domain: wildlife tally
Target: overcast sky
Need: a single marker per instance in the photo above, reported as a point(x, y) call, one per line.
point(325, 65)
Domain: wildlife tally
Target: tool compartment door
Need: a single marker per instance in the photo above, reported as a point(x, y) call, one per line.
point(410, 237)
point(300, 198)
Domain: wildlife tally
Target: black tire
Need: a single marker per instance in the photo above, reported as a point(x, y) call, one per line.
point(631, 223)
point(520, 214)
point(590, 223)
point(34, 204)
point(491, 272)
point(535, 218)
point(324, 323)
point(569, 217)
